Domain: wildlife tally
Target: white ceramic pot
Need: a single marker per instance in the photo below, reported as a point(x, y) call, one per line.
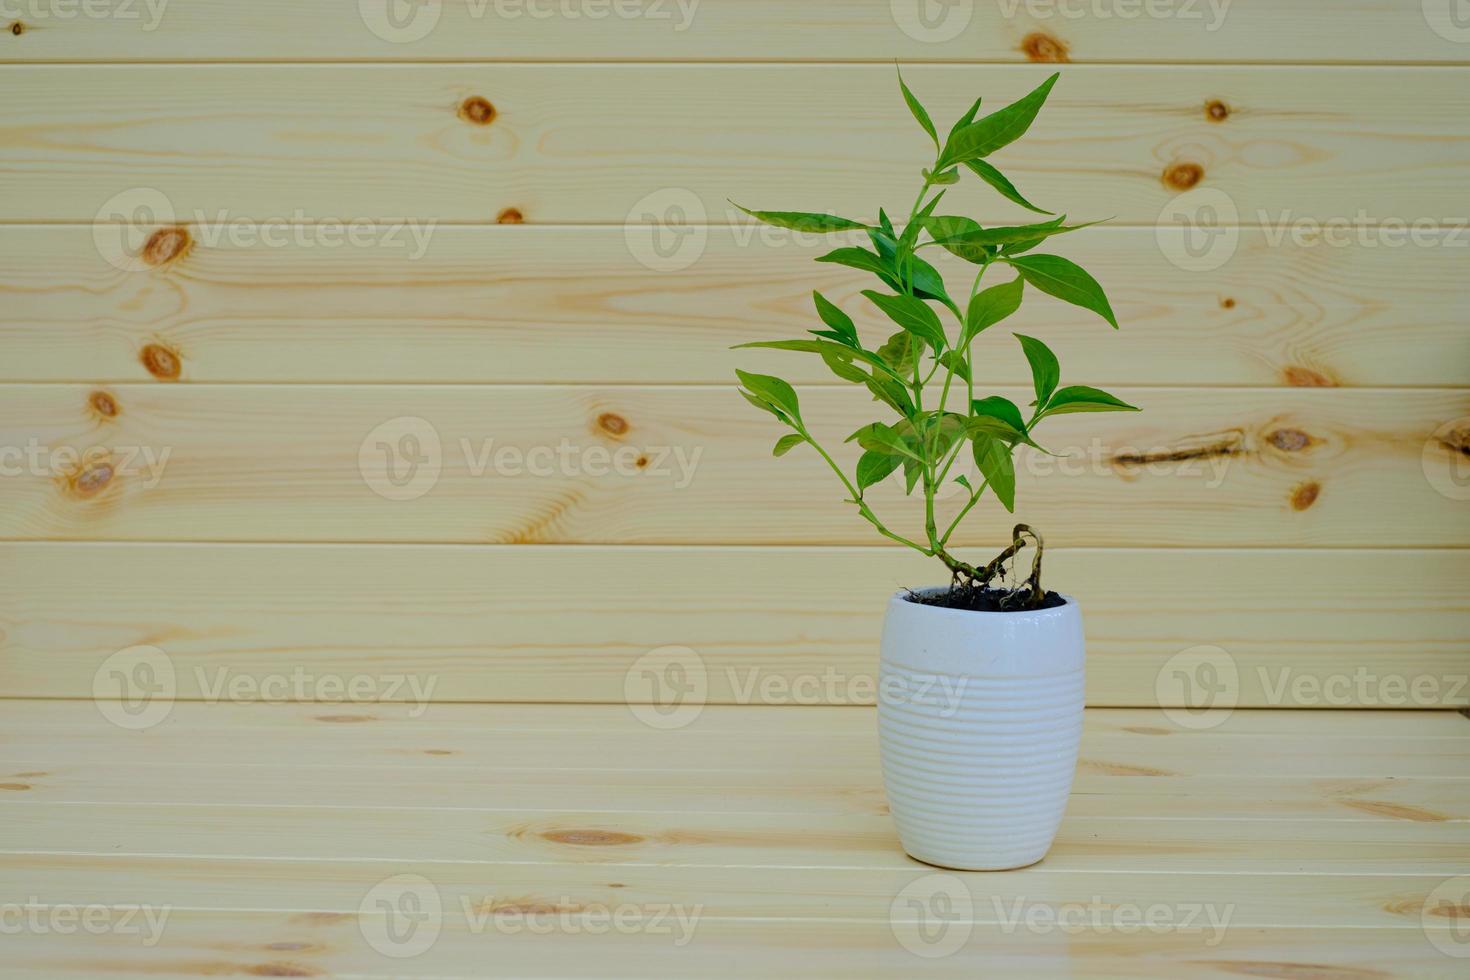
point(979, 718)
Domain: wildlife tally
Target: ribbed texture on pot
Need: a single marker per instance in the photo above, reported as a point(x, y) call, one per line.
point(978, 769)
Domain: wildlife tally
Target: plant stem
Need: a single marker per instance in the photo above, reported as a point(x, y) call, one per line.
point(856, 497)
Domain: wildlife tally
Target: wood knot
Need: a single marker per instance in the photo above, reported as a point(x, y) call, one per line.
point(1457, 440)
point(1040, 46)
point(92, 479)
point(103, 404)
point(478, 110)
point(642, 462)
point(1228, 303)
point(1300, 377)
point(612, 423)
point(17, 28)
point(527, 905)
point(1304, 495)
point(510, 216)
point(15, 787)
point(439, 752)
point(1216, 111)
point(162, 362)
point(1449, 910)
point(167, 245)
point(282, 970)
point(1289, 440)
point(1183, 176)
point(592, 838)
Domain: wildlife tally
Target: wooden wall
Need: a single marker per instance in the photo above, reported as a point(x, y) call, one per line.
point(246, 246)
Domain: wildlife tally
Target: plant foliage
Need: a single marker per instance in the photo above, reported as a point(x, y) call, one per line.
point(924, 372)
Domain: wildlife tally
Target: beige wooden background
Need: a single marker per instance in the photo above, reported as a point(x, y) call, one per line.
point(244, 244)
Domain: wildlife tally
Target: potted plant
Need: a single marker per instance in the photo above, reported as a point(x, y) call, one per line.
point(981, 682)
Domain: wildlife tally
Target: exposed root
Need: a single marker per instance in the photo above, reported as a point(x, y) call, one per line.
point(969, 584)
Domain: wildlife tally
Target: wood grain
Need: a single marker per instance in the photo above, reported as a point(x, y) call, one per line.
point(682, 465)
point(616, 144)
point(281, 885)
point(332, 943)
point(525, 303)
point(764, 625)
point(1242, 31)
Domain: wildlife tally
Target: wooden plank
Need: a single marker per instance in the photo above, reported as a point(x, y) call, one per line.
point(617, 144)
point(525, 303)
point(395, 719)
point(1097, 791)
point(682, 751)
point(256, 943)
point(746, 840)
point(741, 30)
point(267, 883)
point(1302, 628)
point(680, 465)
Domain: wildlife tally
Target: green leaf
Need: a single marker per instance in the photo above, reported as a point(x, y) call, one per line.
point(948, 232)
point(874, 468)
point(787, 443)
point(1000, 128)
point(805, 221)
point(997, 407)
point(899, 352)
point(993, 457)
point(1066, 280)
point(990, 306)
point(954, 360)
point(860, 258)
point(761, 405)
point(1046, 372)
point(879, 438)
point(912, 229)
point(891, 393)
point(823, 347)
point(1009, 235)
point(966, 119)
point(1080, 398)
point(998, 180)
point(843, 330)
point(911, 471)
point(926, 281)
point(920, 113)
point(773, 391)
point(914, 315)
point(943, 177)
point(885, 225)
point(845, 369)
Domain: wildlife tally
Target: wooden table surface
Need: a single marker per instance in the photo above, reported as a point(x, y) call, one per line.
point(457, 840)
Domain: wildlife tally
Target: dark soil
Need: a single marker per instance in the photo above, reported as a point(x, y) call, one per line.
point(985, 600)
